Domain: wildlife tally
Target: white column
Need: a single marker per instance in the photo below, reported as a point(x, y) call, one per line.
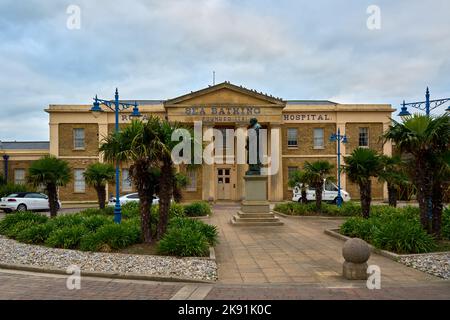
point(387, 150)
point(275, 182)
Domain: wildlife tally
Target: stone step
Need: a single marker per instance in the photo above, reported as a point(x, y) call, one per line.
point(255, 215)
point(272, 221)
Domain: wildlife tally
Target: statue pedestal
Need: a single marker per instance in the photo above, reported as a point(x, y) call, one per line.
point(255, 209)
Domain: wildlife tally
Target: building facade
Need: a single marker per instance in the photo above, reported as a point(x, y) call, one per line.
point(300, 129)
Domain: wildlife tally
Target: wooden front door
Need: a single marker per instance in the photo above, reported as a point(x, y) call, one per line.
point(223, 184)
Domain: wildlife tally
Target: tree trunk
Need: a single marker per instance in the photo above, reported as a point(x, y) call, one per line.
point(424, 186)
point(52, 199)
point(365, 191)
point(165, 194)
point(101, 195)
point(177, 195)
point(319, 189)
point(392, 195)
point(304, 199)
point(438, 196)
point(143, 183)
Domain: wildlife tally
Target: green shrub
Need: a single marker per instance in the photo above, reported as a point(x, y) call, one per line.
point(11, 220)
point(446, 224)
point(9, 188)
point(91, 212)
point(300, 209)
point(18, 227)
point(197, 209)
point(394, 229)
point(358, 227)
point(68, 237)
point(176, 210)
point(67, 220)
point(209, 231)
point(111, 236)
point(92, 223)
point(184, 242)
point(403, 236)
point(350, 209)
point(130, 210)
point(35, 234)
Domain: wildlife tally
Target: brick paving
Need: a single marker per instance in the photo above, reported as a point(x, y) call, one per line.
point(294, 261)
point(19, 285)
point(297, 252)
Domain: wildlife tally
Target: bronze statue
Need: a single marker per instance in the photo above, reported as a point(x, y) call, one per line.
point(254, 168)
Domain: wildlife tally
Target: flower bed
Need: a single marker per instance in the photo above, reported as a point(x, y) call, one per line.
point(299, 209)
point(394, 229)
point(94, 230)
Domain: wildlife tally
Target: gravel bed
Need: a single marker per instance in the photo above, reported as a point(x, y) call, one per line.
point(437, 264)
point(13, 252)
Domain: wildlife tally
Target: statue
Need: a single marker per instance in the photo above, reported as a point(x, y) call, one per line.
point(254, 168)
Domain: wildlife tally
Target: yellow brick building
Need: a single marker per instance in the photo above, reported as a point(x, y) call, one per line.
point(301, 129)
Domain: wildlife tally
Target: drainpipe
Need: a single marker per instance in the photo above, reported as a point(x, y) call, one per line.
point(5, 158)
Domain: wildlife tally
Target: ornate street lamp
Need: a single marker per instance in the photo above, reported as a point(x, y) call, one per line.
point(339, 138)
point(423, 105)
point(117, 107)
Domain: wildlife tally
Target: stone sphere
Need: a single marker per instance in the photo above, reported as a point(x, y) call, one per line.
point(356, 251)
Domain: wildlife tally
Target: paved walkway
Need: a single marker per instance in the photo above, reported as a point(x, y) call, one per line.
point(298, 252)
point(19, 285)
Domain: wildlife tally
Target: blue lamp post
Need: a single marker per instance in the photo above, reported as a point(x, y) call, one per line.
point(423, 105)
point(339, 138)
point(117, 107)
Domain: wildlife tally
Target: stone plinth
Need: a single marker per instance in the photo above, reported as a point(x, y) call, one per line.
point(356, 253)
point(255, 209)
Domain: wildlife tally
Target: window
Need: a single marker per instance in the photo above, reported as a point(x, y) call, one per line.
point(192, 180)
point(126, 180)
point(78, 138)
point(363, 137)
point(292, 137)
point(19, 176)
point(290, 171)
point(80, 185)
point(318, 138)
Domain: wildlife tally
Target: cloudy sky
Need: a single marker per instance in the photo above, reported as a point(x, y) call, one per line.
point(292, 49)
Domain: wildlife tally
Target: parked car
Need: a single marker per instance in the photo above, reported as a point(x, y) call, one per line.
point(23, 201)
point(131, 197)
point(329, 193)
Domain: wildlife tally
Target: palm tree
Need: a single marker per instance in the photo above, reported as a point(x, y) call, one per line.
point(168, 180)
point(180, 182)
point(393, 174)
point(317, 172)
point(136, 144)
point(98, 175)
point(423, 138)
point(441, 181)
point(299, 178)
point(52, 173)
point(360, 167)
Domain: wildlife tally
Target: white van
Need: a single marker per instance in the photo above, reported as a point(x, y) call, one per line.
point(329, 194)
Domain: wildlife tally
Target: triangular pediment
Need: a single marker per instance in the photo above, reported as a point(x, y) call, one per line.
point(225, 94)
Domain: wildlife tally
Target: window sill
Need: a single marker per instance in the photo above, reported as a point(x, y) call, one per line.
point(363, 147)
point(191, 190)
point(319, 148)
point(79, 149)
point(292, 148)
point(80, 192)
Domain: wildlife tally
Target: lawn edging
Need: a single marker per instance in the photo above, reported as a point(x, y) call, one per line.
point(387, 254)
point(109, 275)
